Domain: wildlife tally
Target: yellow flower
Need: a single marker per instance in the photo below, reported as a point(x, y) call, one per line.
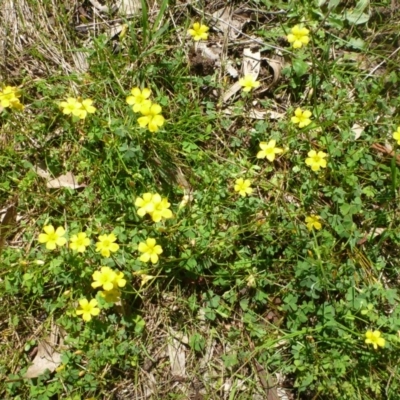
point(316, 160)
point(79, 242)
point(9, 98)
point(374, 338)
point(243, 187)
point(16, 105)
point(249, 82)
point(151, 117)
point(268, 150)
point(77, 107)
point(111, 296)
point(313, 222)
point(153, 205)
point(298, 37)
point(7, 95)
point(145, 204)
point(396, 135)
point(71, 106)
point(85, 108)
point(301, 117)
point(105, 278)
point(106, 244)
point(199, 31)
point(161, 208)
point(119, 280)
point(52, 237)
point(150, 251)
point(139, 99)
point(87, 309)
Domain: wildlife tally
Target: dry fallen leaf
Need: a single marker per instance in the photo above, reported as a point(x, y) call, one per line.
point(250, 66)
point(276, 63)
point(229, 22)
point(211, 52)
point(251, 62)
point(41, 172)
point(358, 130)
point(258, 114)
point(68, 181)
point(47, 357)
point(8, 221)
point(386, 150)
point(177, 357)
point(129, 7)
point(231, 91)
point(231, 70)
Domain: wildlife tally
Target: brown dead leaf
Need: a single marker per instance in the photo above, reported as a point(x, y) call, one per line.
point(276, 63)
point(212, 52)
point(250, 66)
point(257, 114)
point(177, 358)
point(231, 91)
point(129, 7)
point(251, 62)
point(8, 221)
point(42, 172)
point(47, 357)
point(358, 130)
point(373, 233)
point(229, 22)
point(68, 181)
point(99, 6)
point(386, 151)
point(231, 70)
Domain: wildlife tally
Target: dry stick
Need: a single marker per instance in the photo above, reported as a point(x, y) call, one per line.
point(373, 70)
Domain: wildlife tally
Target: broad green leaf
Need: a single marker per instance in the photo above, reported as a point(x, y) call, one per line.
point(300, 67)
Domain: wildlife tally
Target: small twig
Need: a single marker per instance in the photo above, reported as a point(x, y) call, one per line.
point(373, 70)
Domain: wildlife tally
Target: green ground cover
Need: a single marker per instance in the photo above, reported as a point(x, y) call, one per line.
point(197, 212)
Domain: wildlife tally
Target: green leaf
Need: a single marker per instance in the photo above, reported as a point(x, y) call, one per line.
point(333, 4)
point(358, 43)
point(299, 67)
point(357, 16)
point(197, 342)
point(230, 360)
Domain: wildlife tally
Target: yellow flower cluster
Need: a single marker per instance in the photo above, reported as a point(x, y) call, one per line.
point(110, 281)
point(151, 112)
point(9, 98)
point(158, 208)
point(78, 107)
point(78, 242)
point(154, 205)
